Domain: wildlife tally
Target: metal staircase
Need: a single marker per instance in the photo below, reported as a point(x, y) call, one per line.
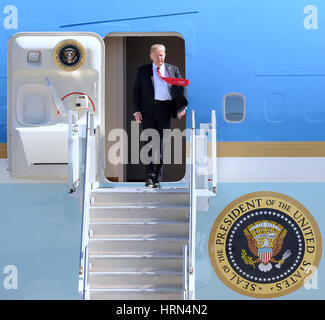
point(136, 240)
point(137, 243)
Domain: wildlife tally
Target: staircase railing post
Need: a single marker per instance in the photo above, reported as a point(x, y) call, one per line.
point(192, 222)
point(214, 150)
point(83, 275)
point(185, 272)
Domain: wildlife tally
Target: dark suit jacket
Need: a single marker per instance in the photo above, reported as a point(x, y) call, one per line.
point(143, 90)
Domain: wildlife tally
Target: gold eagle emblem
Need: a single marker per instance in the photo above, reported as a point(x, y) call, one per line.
point(265, 240)
point(70, 54)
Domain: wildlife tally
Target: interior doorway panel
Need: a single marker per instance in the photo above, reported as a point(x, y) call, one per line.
point(123, 55)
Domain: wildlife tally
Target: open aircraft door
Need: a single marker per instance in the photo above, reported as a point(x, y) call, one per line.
point(52, 75)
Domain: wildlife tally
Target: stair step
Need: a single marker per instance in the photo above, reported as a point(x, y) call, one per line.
point(135, 294)
point(137, 246)
point(123, 196)
point(135, 263)
point(138, 229)
point(139, 213)
point(134, 280)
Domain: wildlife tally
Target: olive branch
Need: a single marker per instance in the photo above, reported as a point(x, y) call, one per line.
point(247, 260)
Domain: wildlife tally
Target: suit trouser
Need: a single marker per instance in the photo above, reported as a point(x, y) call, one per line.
point(159, 120)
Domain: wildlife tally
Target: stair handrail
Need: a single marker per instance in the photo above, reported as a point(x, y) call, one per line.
point(185, 272)
point(83, 270)
point(214, 150)
point(192, 219)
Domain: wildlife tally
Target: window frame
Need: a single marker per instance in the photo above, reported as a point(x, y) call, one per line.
point(224, 107)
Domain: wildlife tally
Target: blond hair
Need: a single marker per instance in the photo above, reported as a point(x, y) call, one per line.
point(156, 47)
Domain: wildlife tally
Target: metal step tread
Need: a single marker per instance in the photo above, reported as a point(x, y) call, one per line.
point(135, 273)
point(137, 223)
point(137, 256)
point(101, 197)
point(131, 240)
point(135, 245)
point(139, 279)
point(135, 262)
point(139, 213)
point(139, 290)
point(142, 190)
point(141, 207)
point(155, 239)
point(136, 294)
point(150, 229)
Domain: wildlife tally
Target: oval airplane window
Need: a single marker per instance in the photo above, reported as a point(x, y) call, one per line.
point(234, 107)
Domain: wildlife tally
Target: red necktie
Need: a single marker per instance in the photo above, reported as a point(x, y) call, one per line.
point(174, 81)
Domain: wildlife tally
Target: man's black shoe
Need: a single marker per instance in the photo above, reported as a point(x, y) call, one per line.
point(149, 183)
point(157, 185)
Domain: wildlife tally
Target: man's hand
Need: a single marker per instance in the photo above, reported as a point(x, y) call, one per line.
point(181, 114)
point(138, 117)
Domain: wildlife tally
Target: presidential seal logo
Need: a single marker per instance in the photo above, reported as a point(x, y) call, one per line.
point(265, 245)
point(69, 55)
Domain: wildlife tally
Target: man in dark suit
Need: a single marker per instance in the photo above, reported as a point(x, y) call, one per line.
point(155, 101)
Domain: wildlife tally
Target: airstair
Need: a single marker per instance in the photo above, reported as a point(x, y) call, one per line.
point(137, 242)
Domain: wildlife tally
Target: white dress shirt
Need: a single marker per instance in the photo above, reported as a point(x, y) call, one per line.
point(161, 87)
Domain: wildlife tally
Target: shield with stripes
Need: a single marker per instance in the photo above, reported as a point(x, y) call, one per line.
point(265, 254)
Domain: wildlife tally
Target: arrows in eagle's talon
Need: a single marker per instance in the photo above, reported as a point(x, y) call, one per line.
point(286, 255)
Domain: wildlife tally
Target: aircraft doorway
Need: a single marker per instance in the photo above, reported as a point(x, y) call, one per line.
point(124, 53)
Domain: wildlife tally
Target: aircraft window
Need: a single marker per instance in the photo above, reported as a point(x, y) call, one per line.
point(234, 107)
